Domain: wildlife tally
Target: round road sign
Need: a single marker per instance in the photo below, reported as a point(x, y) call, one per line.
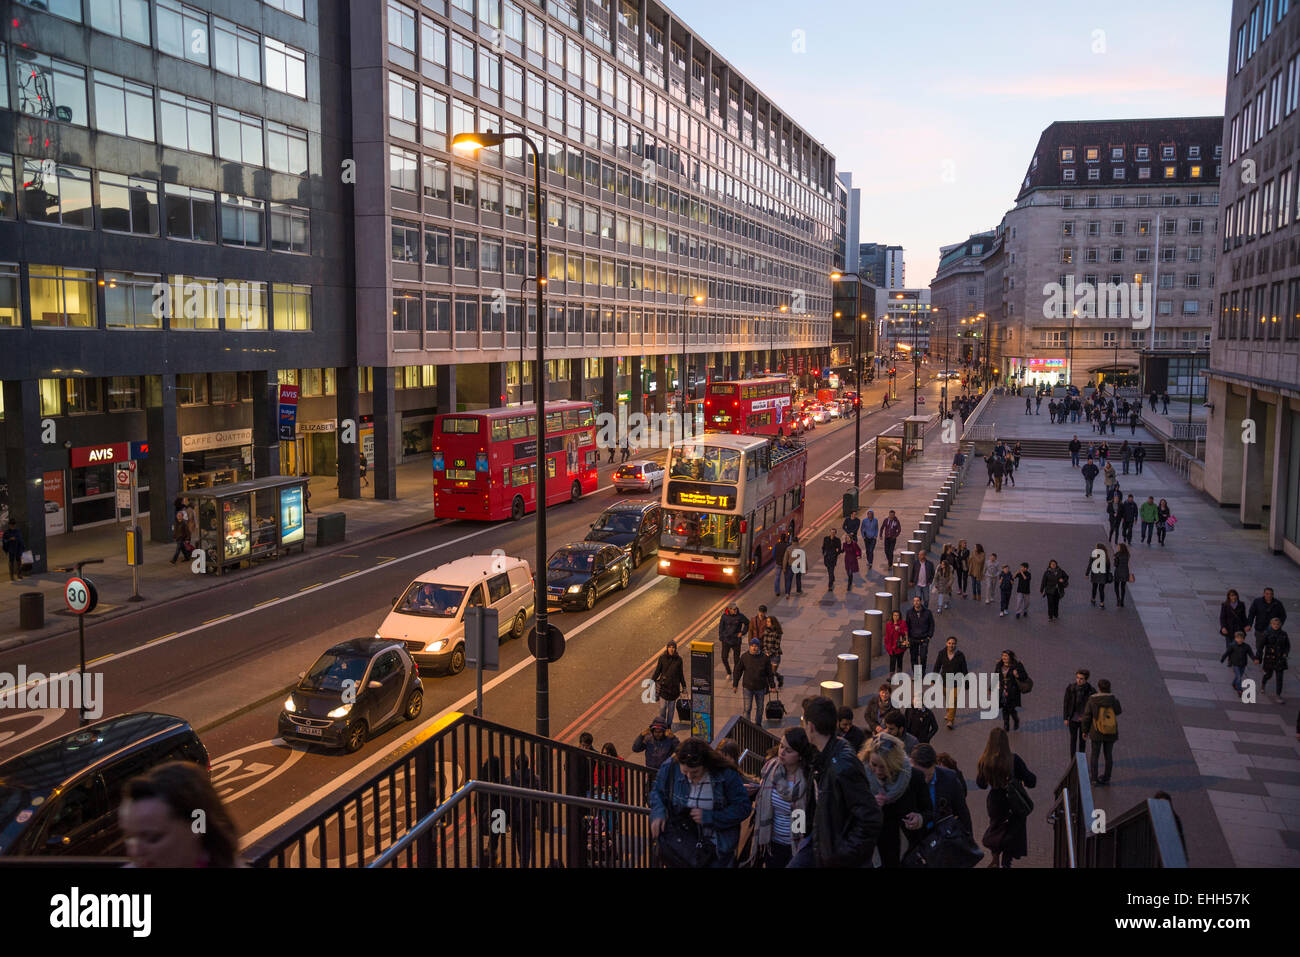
point(555, 642)
point(80, 595)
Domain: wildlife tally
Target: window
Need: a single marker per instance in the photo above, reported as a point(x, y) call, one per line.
point(123, 107)
point(433, 49)
point(291, 7)
point(437, 313)
point(192, 389)
point(236, 51)
point(244, 305)
point(466, 311)
point(57, 195)
point(123, 393)
point(402, 169)
point(51, 88)
point(435, 178)
point(290, 229)
point(514, 200)
point(1191, 307)
point(10, 304)
point(463, 188)
point(191, 213)
point(1067, 256)
point(193, 304)
point(490, 255)
point(128, 19)
point(406, 311)
point(401, 106)
point(286, 68)
point(406, 242)
point(186, 122)
point(1067, 154)
point(241, 221)
point(437, 247)
point(239, 136)
point(1067, 175)
point(62, 296)
point(129, 299)
point(465, 250)
point(291, 307)
point(490, 194)
point(182, 31)
point(286, 148)
point(401, 34)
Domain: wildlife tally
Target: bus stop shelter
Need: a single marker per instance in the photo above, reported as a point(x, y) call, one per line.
point(250, 521)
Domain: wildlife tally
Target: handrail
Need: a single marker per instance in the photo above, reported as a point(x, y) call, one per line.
point(509, 790)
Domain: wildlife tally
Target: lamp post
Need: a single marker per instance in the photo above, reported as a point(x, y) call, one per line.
point(947, 364)
point(857, 385)
point(472, 143)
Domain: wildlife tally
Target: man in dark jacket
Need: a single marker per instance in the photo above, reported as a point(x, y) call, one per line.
point(1094, 727)
point(831, 548)
point(851, 526)
point(846, 817)
point(1075, 446)
point(1077, 694)
point(951, 662)
point(1139, 456)
point(922, 577)
point(669, 681)
point(850, 732)
point(1128, 513)
point(755, 669)
point(920, 629)
point(13, 547)
point(731, 628)
point(1262, 611)
point(947, 793)
point(658, 743)
point(1089, 476)
point(778, 560)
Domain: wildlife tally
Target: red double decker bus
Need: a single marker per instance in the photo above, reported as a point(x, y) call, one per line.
point(485, 462)
point(748, 406)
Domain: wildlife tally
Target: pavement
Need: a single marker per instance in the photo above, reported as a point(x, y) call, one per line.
point(1007, 416)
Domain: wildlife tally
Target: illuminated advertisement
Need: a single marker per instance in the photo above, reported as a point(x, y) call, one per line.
point(291, 515)
point(699, 495)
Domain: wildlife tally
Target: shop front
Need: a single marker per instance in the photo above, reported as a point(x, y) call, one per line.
point(1039, 370)
point(313, 451)
point(212, 459)
point(417, 436)
point(92, 493)
point(250, 521)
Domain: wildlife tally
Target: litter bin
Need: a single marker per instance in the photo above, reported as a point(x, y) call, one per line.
point(31, 610)
point(331, 528)
point(849, 504)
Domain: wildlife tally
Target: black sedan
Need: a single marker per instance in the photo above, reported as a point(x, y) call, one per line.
point(353, 690)
point(576, 575)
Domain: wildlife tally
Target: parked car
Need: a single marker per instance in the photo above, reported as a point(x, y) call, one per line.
point(641, 476)
point(578, 574)
point(353, 690)
point(429, 618)
point(61, 797)
point(633, 526)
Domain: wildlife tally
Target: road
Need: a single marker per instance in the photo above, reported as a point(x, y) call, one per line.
point(225, 659)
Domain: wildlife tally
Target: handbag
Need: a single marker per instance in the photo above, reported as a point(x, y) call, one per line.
point(683, 709)
point(1018, 799)
point(1025, 684)
point(1131, 578)
point(775, 709)
point(26, 557)
point(681, 844)
point(946, 845)
point(1170, 522)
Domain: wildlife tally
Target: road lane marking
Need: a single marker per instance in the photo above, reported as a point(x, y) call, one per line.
point(258, 605)
point(170, 634)
point(214, 620)
point(305, 587)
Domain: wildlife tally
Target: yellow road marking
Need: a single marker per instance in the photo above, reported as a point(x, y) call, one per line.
point(218, 618)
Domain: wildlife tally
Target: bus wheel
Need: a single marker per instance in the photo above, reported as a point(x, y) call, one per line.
point(575, 493)
point(517, 508)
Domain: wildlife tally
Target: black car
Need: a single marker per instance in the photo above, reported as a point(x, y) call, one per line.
point(353, 690)
point(576, 575)
point(62, 797)
point(632, 525)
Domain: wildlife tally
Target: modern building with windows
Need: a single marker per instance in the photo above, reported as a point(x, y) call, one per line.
point(905, 318)
point(958, 298)
point(1252, 452)
point(1111, 214)
point(881, 265)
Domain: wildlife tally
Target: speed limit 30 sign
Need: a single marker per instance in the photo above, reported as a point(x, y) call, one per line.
point(80, 595)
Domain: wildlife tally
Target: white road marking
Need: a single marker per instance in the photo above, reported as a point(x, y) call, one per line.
point(219, 778)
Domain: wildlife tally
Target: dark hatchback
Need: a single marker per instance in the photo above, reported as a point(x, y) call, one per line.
point(576, 575)
point(62, 797)
point(354, 689)
point(632, 525)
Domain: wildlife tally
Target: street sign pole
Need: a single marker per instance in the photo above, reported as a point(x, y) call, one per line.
point(136, 549)
point(80, 597)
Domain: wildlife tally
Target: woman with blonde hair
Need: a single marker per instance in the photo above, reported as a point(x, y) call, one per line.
point(1006, 777)
point(903, 798)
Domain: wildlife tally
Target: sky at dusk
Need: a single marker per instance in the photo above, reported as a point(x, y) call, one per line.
point(936, 108)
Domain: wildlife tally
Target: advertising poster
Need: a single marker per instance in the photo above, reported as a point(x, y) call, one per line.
point(291, 515)
point(702, 689)
point(55, 514)
point(288, 412)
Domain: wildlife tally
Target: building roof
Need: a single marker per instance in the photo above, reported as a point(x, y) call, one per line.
point(1187, 135)
point(977, 246)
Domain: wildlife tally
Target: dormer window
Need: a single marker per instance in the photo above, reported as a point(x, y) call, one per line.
point(1166, 152)
point(1092, 154)
point(1067, 154)
point(1117, 154)
point(1144, 152)
point(1194, 152)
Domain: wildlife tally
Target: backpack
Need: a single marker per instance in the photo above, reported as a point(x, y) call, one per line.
point(1106, 724)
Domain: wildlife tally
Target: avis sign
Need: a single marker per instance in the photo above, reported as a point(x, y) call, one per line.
point(100, 454)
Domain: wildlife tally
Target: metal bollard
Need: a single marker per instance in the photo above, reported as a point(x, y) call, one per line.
point(885, 603)
point(908, 559)
point(874, 622)
point(862, 648)
point(846, 674)
point(926, 533)
point(835, 691)
point(933, 517)
point(894, 585)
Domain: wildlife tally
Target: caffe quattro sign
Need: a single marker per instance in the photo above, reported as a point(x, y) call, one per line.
point(701, 495)
point(216, 440)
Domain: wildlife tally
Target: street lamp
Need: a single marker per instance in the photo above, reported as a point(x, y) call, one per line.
point(857, 385)
point(471, 143)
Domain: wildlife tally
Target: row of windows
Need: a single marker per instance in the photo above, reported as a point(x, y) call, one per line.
point(1275, 99)
point(1265, 208)
point(1168, 254)
point(67, 297)
point(1118, 200)
point(1169, 171)
point(1266, 312)
point(1169, 227)
point(1257, 27)
point(1122, 338)
point(1168, 279)
point(1168, 151)
point(61, 195)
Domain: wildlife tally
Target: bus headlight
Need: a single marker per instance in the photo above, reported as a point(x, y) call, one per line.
point(728, 571)
point(663, 563)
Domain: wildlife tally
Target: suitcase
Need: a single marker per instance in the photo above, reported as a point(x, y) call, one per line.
point(775, 710)
point(683, 709)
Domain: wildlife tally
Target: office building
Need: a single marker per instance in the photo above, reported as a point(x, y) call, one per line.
point(881, 265)
point(957, 296)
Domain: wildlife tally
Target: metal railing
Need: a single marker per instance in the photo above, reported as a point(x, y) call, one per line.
point(1179, 461)
point(356, 825)
point(1187, 431)
point(1072, 815)
point(753, 740)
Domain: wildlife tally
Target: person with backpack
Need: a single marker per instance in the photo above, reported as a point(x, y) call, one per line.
point(702, 793)
point(1101, 728)
point(770, 633)
point(1006, 776)
point(870, 529)
point(1273, 648)
point(1052, 587)
point(1077, 693)
point(850, 526)
point(1089, 476)
point(831, 548)
point(1013, 681)
point(890, 529)
point(669, 680)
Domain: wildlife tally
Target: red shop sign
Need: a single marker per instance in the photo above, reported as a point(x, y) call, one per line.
point(100, 454)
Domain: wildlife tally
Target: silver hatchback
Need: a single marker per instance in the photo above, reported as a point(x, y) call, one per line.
point(641, 476)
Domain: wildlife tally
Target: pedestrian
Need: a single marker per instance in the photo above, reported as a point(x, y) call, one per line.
point(895, 640)
point(1029, 405)
point(771, 633)
point(1121, 574)
point(306, 492)
point(793, 563)
point(1163, 514)
point(902, 796)
point(731, 629)
point(1262, 611)
point(922, 577)
point(894, 726)
point(1006, 776)
point(1154, 396)
point(944, 577)
point(1133, 422)
point(850, 732)
point(612, 450)
point(975, 571)
point(1052, 587)
point(1009, 469)
point(851, 567)
point(192, 520)
point(1232, 616)
point(831, 548)
point(920, 629)
point(1038, 404)
point(918, 720)
point(1077, 693)
point(991, 570)
point(851, 525)
point(1114, 515)
point(701, 792)
point(181, 535)
point(1089, 476)
point(1273, 649)
point(1139, 456)
point(1103, 452)
point(778, 561)
point(521, 813)
point(755, 670)
point(1101, 727)
point(364, 481)
point(669, 681)
point(658, 743)
point(947, 790)
point(890, 529)
point(988, 466)
point(951, 662)
point(1125, 455)
point(1006, 584)
point(1149, 513)
point(961, 566)
point(1128, 515)
point(1110, 478)
point(873, 715)
point(626, 449)
point(1015, 455)
point(157, 816)
point(1051, 411)
point(870, 529)
point(1099, 573)
point(1023, 583)
point(12, 541)
point(1013, 679)
point(1238, 655)
point(1164, 403)
point(846, 818)
point(783, 801)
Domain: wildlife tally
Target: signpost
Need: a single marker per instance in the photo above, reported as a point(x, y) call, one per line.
point(481, 647)
point(81, 597)
point(702, 690)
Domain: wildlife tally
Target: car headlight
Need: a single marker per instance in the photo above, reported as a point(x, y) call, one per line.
point(437, 645)
point(378, 635)
point(574, 589)
point(290, 706)
point(340, 712)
